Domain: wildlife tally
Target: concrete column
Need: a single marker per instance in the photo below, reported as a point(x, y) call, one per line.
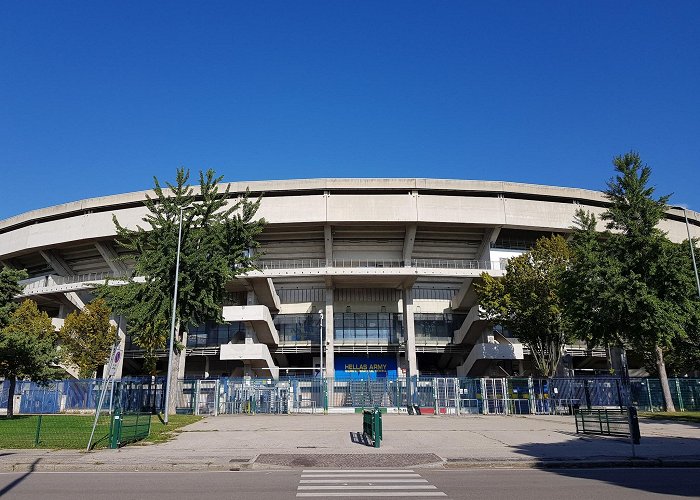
point(329, 335)
point(183, 357)
point(250, 337)
point(409, 331)
point(328, 238)
point(408, 242)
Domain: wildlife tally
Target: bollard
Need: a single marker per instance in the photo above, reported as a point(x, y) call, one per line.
point(635, 435)
point(116, 430)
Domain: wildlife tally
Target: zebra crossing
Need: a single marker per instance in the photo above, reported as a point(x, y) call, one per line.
point(365, 483)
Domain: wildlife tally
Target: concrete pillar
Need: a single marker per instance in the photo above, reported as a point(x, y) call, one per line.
point(328, 238)
point(329, 335)
point(250, 337)
point(409, 331)
point(183, 357)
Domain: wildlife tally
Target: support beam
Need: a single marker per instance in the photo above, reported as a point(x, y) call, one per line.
point(329, 335)
point(328, 240)
point(68, 302)
point(62, 268)
point(111, 258)
point(409, 330)
point(75, 299)
point(59, 265)
point(483, 253)
point(466, 297)
point(408, 242)
point(183, 357)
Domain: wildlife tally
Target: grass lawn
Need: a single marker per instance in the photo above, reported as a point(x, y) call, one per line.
point(160, 433)
point(73, 431)
point(679, 416)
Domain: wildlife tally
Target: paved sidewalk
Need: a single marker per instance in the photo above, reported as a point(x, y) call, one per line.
point(231, 442)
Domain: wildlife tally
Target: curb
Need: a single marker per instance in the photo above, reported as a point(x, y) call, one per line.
point(449, 464)
point(574, 464)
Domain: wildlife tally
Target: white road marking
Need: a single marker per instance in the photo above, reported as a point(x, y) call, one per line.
point(365, 487)
point(341, 481)
point(374, 494)
point(372, 471)
point(397, 476)
point(365, 483)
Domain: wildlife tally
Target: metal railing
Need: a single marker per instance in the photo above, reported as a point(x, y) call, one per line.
point(602, 421)
point(50, 281)
point(54, 280)
point(445, 395)
point(129, 427)
point(265, 265)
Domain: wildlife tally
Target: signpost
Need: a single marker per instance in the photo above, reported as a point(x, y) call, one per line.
point(114, 357)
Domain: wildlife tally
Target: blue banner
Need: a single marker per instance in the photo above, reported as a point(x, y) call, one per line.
point(365, 366)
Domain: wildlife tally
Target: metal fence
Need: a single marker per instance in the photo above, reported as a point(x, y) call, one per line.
point(82, 395)
point(441, 395)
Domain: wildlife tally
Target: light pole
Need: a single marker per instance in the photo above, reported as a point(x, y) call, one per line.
point(692, 249)
point(321, 342)
point(324, 381)
point(172, 322)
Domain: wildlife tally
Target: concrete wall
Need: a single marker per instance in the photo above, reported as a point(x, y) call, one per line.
point(395, 201)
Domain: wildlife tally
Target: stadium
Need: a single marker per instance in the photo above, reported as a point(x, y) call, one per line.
point(355, 278)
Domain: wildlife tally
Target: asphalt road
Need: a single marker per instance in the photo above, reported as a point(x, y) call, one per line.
point(343, 483)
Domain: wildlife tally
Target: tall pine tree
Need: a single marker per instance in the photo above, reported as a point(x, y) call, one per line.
point(216, 233)
point(630, 286)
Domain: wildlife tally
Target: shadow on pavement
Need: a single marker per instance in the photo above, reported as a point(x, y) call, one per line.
point(609, 459)
point(14, 483)
point(359, 438)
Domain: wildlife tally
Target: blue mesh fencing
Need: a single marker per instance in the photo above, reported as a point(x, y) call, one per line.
point(515, 395)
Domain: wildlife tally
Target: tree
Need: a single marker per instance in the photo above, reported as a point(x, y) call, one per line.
point(631, 285)
point(216, 234)
point(87, 336)
point(9, 289)
point(27, 348)
point(527, 301)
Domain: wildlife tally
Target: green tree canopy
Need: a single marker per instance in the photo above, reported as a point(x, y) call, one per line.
point(87, 337)
point(217, 231)
point(527, 301)
point(9, 289)
point(631, 286)
point(28, 348)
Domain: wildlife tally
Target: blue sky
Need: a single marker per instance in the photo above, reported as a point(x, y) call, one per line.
point(97, 97)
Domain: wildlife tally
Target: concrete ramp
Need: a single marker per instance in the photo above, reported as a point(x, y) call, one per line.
point(471, 329)
point(259, 318)
point(482, 354)
point(258, 355)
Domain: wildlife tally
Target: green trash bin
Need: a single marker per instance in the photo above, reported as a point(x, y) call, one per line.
point(372, 425)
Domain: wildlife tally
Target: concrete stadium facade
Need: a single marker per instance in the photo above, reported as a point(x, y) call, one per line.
point(364, 277)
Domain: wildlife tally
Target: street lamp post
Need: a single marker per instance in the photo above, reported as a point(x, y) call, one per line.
point(324, 380)
point(321, 343)
point(692, 250)
point(172, 322)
